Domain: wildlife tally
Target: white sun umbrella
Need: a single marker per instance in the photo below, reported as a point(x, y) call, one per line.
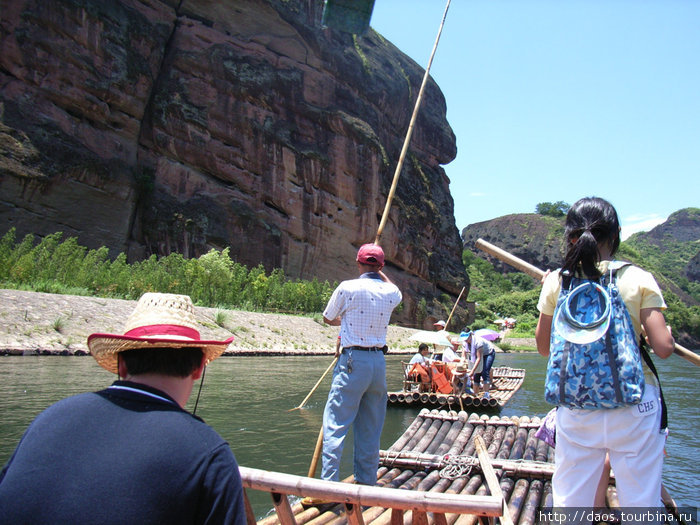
point(431, 337)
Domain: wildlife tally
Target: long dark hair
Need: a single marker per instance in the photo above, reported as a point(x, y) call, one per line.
point(591, 222)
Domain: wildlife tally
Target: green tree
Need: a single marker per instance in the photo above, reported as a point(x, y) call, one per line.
point(552, 209)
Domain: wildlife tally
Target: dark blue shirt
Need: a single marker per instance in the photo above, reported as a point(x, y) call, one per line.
point(127, 454)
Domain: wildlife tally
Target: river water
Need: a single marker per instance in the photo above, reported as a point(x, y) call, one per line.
point(248, 401)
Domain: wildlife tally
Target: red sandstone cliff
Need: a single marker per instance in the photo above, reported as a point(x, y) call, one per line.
point(156, 126)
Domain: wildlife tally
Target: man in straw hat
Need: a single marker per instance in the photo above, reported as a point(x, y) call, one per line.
point(362, 308)
point(130, 453)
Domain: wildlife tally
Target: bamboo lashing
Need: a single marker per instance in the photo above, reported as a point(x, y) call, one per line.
point(335, 360)
point(409, 132)
point(535, 272)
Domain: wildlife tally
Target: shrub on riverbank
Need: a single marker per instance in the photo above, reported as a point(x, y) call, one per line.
point(63, 266)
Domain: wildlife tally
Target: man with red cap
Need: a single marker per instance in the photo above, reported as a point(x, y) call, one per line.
point(362, 308)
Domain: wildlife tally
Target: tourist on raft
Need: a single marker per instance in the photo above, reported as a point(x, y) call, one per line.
point(630, 435)
point(481, 356)
point(419, 366)
point(130, 453)
point(362, 308)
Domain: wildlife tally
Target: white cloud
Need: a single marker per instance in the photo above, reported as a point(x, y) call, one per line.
point(640, 223)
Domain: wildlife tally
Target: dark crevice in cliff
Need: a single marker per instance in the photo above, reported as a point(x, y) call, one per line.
point(279, 210)
point(145, 125)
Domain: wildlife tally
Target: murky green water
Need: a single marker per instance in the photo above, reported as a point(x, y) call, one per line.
point(247, 400)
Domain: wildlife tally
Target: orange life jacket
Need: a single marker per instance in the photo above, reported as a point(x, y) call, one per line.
point(440, 382)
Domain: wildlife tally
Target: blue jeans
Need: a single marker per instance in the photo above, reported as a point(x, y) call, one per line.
point(486, 369)
point(357, 398)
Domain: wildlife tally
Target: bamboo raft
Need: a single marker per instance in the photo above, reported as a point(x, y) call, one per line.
point(451, 455)
point(504, 384)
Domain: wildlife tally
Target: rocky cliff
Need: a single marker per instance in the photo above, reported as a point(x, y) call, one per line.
point(156, 126)
point(534, 238)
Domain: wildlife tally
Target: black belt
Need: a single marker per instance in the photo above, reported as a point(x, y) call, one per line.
point(382, 349)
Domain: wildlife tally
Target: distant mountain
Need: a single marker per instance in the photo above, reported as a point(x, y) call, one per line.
point(673, 248)
point(535, 238)
point(671, 252)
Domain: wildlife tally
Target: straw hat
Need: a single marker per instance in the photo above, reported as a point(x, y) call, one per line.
point(159, 320)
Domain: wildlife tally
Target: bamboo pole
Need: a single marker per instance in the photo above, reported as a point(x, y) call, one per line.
point(528, 514)
point(409, 132)
point(455, 430)
point(453, 307)
point(440, 437)
point(365, 495)
point(491, 478)
point(317, 453)
point(397, 172)
point(335, 360)
point(418, 434)
point(535, 272)
point(410, 431)
point(509, 258)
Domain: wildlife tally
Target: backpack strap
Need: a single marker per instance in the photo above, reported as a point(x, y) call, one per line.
point(650, 363)
point(611, 274)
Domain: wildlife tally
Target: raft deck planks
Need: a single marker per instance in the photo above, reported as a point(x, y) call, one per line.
point(437, 453)
point(505, 383)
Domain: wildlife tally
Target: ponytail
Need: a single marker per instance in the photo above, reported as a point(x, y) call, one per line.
point(590, 223)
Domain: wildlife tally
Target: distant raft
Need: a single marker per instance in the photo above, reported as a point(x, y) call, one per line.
point(505, 382)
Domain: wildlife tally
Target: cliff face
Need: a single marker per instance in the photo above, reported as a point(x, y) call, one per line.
point(537, 239)
point(157, 126)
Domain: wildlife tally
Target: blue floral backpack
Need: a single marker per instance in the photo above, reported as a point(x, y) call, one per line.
point(595, 360)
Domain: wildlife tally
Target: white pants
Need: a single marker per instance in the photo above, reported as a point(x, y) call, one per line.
point(630, 435)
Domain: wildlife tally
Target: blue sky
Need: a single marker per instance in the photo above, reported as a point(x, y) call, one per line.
point(558, 100)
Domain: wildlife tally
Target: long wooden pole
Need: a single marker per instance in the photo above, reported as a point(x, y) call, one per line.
point(363, 495)
point(315, 386)
point(509, 258)
point(317, 453)
point(407, 139)
point(453, 307)
point(535, 272)
point(491, 479)
point(392, 191)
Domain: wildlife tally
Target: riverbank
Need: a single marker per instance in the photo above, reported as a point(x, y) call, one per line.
point(34, 323)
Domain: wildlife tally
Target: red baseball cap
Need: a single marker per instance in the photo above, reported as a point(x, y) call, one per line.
point(371, 254)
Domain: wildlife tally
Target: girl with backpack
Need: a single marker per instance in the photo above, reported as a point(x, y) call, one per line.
point(630, 434)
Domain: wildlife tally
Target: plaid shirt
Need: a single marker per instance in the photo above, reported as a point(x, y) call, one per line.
point(364, 306)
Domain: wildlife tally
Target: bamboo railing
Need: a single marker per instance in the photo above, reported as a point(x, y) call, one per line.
point(352, 498)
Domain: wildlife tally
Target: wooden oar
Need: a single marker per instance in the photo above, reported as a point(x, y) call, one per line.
point(315, 386)
point(535, 272)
